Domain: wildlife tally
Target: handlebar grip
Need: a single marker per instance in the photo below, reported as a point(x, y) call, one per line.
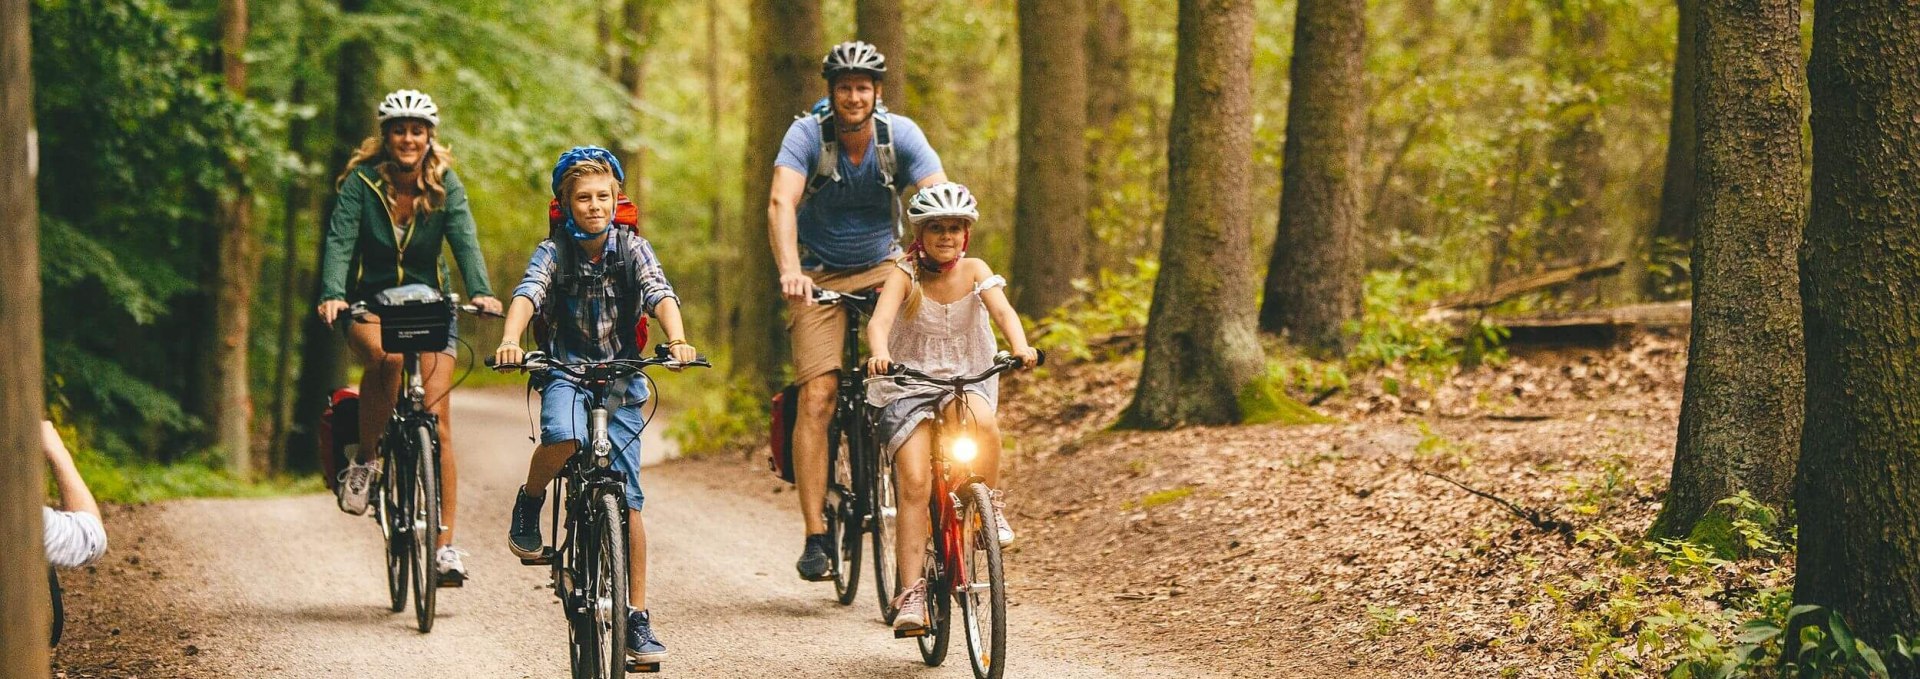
point(489, 361)
point(1039, 357)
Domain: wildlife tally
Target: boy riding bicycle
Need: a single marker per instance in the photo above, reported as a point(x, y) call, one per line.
point(591, 282)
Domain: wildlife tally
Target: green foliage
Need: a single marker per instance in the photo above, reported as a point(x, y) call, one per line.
point(1161, 497)
point(1117, 304)
point(722, 418)
point(123, 478)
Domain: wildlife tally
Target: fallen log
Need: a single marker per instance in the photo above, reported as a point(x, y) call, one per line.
point(1506, 290)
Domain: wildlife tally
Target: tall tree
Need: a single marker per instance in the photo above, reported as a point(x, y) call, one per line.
point(1859, 484)
point(881, 22)
point(1740, 415)
point(1573, 230)
point(228, 406)
point(23, 566)
point(1201, 347)
point(1314, 280)
point(1676, 220)
point(784, 37)
point(629, 65)
point(322, 359)
point(1109, 60)
point(1050, 208)
point(717, 325)
point(297, 201)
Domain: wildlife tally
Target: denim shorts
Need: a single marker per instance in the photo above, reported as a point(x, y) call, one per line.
point(563, 418)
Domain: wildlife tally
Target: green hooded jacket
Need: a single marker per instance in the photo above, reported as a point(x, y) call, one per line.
point(362, 258)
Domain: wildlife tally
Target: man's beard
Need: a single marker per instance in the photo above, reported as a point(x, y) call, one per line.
point(841, 126)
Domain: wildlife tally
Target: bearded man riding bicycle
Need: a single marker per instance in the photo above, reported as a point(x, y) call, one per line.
point(833, 222)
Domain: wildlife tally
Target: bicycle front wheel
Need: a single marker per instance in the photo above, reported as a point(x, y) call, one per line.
point(599, 619)
point(982, 593)
point(390, 507)
point(426, 524)
point(844, 517)
point(886, 562)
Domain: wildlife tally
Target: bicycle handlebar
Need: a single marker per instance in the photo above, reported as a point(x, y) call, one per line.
point(825, 296)
point(1002, 362)
point(620, 367)
point(357, 312)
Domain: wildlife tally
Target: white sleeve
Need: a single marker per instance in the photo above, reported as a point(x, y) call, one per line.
point(73, 539)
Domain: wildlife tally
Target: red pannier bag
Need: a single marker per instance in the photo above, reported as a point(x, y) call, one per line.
point(780, 445)
point(339, 433)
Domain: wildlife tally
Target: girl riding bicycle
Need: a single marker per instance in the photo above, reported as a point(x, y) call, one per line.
point(933, 315)
point(592, 281)
point(399, 201)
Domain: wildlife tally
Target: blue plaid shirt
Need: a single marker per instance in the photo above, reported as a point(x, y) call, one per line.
point(585, 324)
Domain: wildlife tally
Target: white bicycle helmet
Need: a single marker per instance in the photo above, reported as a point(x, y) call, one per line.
point(943, 200)
point(853, 57)
point(409, 104)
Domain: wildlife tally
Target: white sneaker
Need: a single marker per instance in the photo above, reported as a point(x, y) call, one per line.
point(1000, 516)
point(447, 564)
point(356, 483)
point(912, 607)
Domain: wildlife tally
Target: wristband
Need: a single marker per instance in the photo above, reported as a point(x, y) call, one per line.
point(510, 343)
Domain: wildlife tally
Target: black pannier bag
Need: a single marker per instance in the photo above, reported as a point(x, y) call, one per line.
point(413, 318)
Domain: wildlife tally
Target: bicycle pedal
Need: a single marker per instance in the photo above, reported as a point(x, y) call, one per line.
point(643, 667)
point(910, 633)
point(545, 558)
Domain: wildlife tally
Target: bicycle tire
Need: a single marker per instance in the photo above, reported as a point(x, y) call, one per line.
point(600, 631)
point(983, 618)
point(843, 515)
point(426, 524)
point(933, 644)
point(388, 508)
point(886, 561)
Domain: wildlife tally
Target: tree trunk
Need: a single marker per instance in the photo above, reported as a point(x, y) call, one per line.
point(230, 408)
point(880, 22)
point(1740, 415)
point(716, 320)
point(1314, 278)
point(322, 353)
point(1573, 230)
point(1676, 221)
point(1858, 497)
point(1050, 208)
point(785, 44)
point(24, 615)
point(1109, 55)
point(630, 67)
point(1512, 29)
point(296, 196)
point(1201, 348)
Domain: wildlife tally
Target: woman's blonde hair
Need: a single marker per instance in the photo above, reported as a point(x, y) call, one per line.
point(429, 185)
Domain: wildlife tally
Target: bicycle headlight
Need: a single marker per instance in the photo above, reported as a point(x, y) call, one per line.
point(964, 449)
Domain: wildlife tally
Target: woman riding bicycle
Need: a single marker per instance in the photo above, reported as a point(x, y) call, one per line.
point(943, 338)
point(399, 200)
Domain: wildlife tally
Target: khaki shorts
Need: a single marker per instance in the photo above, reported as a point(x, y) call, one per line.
point(817, 332)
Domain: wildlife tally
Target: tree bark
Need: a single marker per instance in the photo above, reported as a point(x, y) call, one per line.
point(296, 199)
point(1109, 55)
point(230, 408)
point(630, 68)
point(785, 44)
point(1858, 497)
point(1050, 208)
point(1201, 348)
point(1676, 220)
point(1314, 278)
point(716, 321)
point(1573, 230)
point(881, 22)
point(1740, 416)
point(322, 353)
point(24, 615)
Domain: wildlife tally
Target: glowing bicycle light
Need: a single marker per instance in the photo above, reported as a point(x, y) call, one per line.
point(964, 449)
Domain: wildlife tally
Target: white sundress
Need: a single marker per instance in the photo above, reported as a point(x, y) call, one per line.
point(943, 340)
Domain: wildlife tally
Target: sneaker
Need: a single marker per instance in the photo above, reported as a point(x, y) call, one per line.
point(1000, 516)
point(356, 483)
point(642, 646)
point(912, 607)
point(446, 563)
point(813, 565)
point(523, 531)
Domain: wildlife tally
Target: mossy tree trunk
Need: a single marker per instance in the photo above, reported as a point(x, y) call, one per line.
point(1858, 497)
point(882, 23)
point(24, 614)
point(1201, 349)
point(1740, 416)
point(1050, 210)
point(784, 39)
point(1314, 277)
point(225, 401)
point(628, 65)
point(1676, 219)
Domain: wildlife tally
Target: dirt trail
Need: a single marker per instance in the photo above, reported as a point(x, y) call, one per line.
point(290, 587)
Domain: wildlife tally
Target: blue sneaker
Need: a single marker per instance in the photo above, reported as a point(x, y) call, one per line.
point(523, 530)
point(642, 646)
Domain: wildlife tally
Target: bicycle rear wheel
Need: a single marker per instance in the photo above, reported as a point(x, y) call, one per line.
point(426, 524)
point(389, 506)
point(886, 512)
point(599, 617)
point(982, 594)
point(843, 515)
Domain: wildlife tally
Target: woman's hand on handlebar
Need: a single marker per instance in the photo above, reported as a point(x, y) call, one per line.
point(330, 310)
point(488, 305)
point(879, 364)
point(508, 356)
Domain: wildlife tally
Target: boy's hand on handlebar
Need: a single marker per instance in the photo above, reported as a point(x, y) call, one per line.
point(879, 364)
point(509, 355)
point(682, 354)
point(330, 309)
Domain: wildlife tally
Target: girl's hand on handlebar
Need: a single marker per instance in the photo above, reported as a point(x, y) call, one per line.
point(508, 355)
point(879, 364)
point(488, 305)
point(330, 309)
point(1028, 356)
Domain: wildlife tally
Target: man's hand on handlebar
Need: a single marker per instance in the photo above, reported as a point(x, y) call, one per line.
point(797, 287)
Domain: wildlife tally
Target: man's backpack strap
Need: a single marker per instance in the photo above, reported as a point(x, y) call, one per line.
point(826, 168)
